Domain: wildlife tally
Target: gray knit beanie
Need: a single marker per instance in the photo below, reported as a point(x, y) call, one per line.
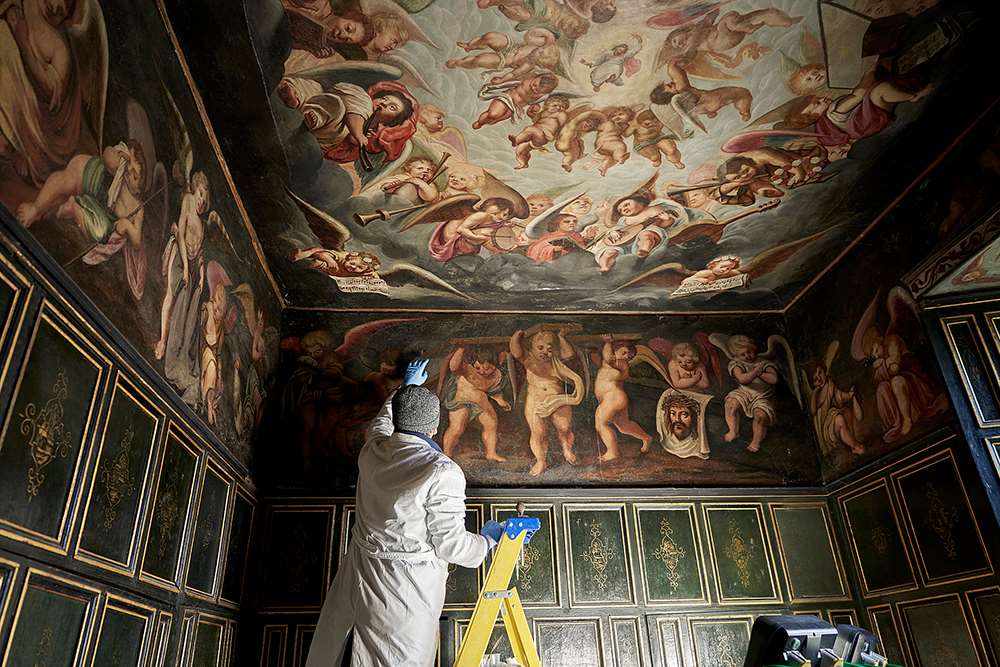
point(415, 409)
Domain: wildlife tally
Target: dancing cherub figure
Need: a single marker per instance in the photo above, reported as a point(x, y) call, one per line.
point(543, 354)
point(474, 384)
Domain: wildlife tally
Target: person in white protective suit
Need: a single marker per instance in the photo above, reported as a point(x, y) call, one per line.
point(384, 606)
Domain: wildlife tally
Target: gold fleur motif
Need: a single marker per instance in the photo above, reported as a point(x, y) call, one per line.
point(43, 650)
point(48, 438)
point(670, 554)
point(741, 552)
point(529, 556)
point(729, 654)
point(599, 555)
point(941, 519)
point(116, 476)
point(167, 512)
point(880, 540)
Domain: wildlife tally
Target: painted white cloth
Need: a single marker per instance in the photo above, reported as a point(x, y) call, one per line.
point(410, 524)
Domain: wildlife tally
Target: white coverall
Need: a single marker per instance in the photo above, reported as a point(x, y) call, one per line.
point(410, 524)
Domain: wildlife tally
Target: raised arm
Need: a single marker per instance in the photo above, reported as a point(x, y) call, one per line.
point(517, 344)
point(381, 425)
point(445, 508)
point(566, 350)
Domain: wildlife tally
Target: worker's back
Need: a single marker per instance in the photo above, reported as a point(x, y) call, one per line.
point(394, 478)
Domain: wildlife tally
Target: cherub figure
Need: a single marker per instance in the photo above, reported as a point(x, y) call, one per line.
point(543, 354)
point(498, 52)
point(686, 369)
point(720, 268)
point(463, 179)
point(703, 44)
point(699, 101)
point(612, 65)
point(836, 413)
point(903, 391)
point(337, 263)
point(105, 197)
point(474, 384)
point(757, 375)
point(465, 236)
point(508, 99)
point(611, 125)
point(442, 138)
point(612, 401)
point(415, 184)
point(652, 142)
point(218, 316)
point(547, 120)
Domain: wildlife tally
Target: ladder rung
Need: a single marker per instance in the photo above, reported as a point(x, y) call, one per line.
point(496, 595)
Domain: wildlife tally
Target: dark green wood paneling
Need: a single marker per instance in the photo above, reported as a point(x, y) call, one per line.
point(49, 626)
point(938, 633)
point(877, 541)
point(121, 640)
point(599, 559)
point(207, 644)
point(43, 438)
point(237, 550)
point(671, 557)
point(170, 509)
point(741, 553)
point(536, 577)
point(118, 480)
point(208, 533)
point(808, 552)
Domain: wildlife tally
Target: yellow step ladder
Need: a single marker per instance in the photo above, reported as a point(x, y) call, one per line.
point(496, 593)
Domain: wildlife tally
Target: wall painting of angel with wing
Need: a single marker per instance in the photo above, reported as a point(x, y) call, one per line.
point(105, 159)
point(548, 400)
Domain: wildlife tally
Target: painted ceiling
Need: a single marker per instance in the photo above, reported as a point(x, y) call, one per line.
point(580, 155)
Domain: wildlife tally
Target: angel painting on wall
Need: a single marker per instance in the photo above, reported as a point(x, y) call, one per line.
point(109, 198)
point(757, 376)
point(543, 352)
point(837, 413)
point(472, 385)
point(617, 62)
point(54, 74)
point(905, 395)
point(618, 354)
point(692, 375)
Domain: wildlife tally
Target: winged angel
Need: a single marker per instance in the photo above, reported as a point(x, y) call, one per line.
point(54, 68)
point(757, 376)
point(357, 271)
point(721, 273)
point(836, 413)
point(904, 393)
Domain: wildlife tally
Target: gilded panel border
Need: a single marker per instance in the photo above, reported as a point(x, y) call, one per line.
point(873, 616)
point(592, 621)
point(241, 492)
point(908, 638)
point(161, 641)
point(567, 509)
point(993, 446)
point(549, 509)
point(7, 587)
point(758, 509)
point(990, 650)
point(675, 658)
point(299, 649)
point(132, 608)
point(270, 633)
point(65, 587)
point(14, 317)
point(48, 314)
point(947, 323)
point(144, 403)
point(695, 621)
point(189, 446)
point(842, 616)
point(898, 475)
point(843, 501)
point(774, 508)
point(212, 468)
point(699, 554)
point(229, 658)
point(479, 509)
point(641, 653)
point(326, 560)
point(203, 618)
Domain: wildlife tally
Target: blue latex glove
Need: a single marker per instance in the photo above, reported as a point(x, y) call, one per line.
point(416, 372)
point(493, 531)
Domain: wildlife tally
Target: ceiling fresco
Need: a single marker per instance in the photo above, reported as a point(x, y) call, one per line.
point(585, 155)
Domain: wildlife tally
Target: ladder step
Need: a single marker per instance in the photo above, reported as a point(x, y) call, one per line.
point(496, 595)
